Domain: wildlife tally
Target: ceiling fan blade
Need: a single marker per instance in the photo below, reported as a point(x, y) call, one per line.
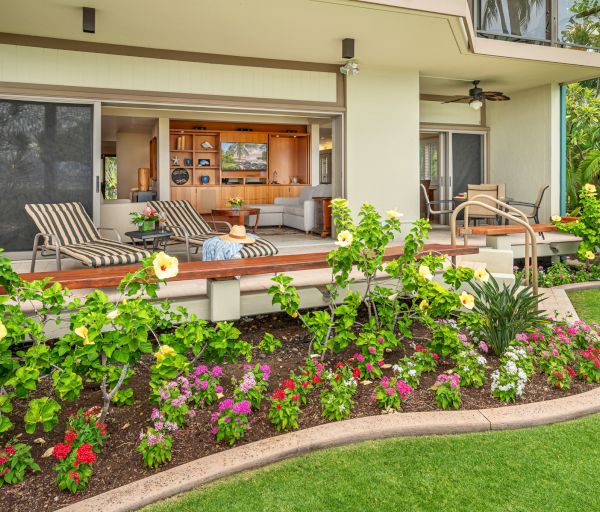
point(495, 96)
point(462, 98)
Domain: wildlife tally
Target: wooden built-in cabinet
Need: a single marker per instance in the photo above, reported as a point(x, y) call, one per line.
point(288, 160)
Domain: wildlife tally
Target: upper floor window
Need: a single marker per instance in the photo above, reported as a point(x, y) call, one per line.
point(567, 23)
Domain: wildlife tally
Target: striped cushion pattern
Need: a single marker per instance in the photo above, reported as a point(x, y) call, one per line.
point(68, 221)
point(258, 249)
point(182, 213)
point(104, 252)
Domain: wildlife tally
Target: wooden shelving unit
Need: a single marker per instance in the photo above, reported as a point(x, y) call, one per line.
point(287, 156)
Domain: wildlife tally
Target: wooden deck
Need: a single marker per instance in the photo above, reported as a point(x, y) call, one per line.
point(512, 229)
point(112, 276)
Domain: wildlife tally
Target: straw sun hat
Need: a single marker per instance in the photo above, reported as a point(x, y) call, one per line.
point(238, 235)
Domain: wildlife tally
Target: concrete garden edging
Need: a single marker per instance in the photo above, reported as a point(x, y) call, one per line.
point(267, 451)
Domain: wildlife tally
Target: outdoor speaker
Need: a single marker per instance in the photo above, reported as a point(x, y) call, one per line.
point(89, 20)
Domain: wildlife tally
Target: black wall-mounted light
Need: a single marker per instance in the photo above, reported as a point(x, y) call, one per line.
point(348, 48)
point(89, 20)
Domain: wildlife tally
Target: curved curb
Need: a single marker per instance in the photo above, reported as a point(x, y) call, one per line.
point(260, 453)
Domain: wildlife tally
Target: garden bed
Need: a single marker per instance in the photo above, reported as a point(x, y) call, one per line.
point(119, 463)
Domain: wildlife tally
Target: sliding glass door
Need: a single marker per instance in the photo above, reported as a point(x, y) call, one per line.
point(467, 161)
point(46, 156)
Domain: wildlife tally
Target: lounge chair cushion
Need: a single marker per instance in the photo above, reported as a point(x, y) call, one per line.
point(181, 214)
point(103, 252)
point(259, 248)
point(68, 221)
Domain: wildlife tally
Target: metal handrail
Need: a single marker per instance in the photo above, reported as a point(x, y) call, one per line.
point(504, 214)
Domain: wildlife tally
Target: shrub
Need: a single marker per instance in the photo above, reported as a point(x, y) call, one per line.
point(155, 448)
point(508, 382)
point(505, 311)
point(230, 421)
point(447, 391)
point(336, 398)
point(285, 406)
point(470, 366)
point(15, 460)
point(389, 393)
point(206, 387)
point(253, 385)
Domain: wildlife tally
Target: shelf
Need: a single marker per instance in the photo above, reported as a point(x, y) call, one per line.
point(206, 151)
point(182, 151)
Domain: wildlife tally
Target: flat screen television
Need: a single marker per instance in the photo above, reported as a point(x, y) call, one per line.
point(243, 156)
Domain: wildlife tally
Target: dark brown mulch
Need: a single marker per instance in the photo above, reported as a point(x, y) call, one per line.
point(119, 463)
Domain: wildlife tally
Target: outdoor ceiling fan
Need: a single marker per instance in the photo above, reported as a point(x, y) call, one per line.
point(477, 95)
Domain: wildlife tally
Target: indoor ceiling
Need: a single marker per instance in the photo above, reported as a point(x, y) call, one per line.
point(111, 125)
point(302, 30)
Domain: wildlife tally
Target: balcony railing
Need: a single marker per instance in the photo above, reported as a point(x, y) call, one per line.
point(565, 23)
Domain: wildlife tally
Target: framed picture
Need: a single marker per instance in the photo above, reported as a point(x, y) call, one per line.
point(204, 162)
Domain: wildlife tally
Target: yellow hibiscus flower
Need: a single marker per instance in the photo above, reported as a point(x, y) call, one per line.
point(82, 332)
point(344, 239)
point(589, 189)
point(423, 305)
point(589, 255)
point(425, 272)
point(467, 300)
point(165, 266)
point(556, 218)
point(163, 352)
point(482, 275)
point(3, 331)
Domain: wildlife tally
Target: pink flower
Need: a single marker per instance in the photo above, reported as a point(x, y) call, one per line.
point(454, 380)
point(403, 388)
point(381, 362)
point(372, 350)
point(483, 347)
point(390, 391)
point(380, 339)
point(359, 357)
point(369, 367)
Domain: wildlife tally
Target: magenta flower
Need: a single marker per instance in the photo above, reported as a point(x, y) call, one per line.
point(242, 407)
point(226, 404)
point(372, 350)
point(369, 367)
point(217, 371)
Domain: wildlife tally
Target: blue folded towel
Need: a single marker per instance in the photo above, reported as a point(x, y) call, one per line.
point(215, 249)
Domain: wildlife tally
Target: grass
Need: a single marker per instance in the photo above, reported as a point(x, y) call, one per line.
point(553, 468)
point(587, 304)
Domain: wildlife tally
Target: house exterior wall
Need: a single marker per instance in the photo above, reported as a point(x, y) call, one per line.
point(30, 65)
point(450, 113)
point(525, 145)
point(382, 140)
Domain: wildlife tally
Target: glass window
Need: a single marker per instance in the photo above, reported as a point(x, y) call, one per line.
point(45, 157)
point(514, 18)
point(110, 177)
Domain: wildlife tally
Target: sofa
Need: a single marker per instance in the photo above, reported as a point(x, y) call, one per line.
point(295, 212)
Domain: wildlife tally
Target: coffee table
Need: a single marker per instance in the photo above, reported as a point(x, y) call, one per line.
point(238, 213)
point(156, 236)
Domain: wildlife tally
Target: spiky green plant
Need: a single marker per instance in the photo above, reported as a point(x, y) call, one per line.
point(505, 311)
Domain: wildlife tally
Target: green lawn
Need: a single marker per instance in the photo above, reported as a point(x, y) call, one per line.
point(587, 304)
point(552, 468)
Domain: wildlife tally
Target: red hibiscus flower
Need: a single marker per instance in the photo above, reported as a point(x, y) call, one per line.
point(60, 450)
point(70, 437)
point(279, 394)
point(289, 384)
point(75, 476)
point(85, 454)
point(9, 450)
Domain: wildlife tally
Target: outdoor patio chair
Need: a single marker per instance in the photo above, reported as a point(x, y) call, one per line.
point(189, 227)
point(429, 203)
point(534, 213)
point(66, 229)
point(477, 213)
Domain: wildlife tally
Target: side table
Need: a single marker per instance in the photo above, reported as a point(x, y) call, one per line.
point(156, 237)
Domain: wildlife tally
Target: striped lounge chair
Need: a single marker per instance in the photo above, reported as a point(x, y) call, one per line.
point(189, 227)
point(66, 229)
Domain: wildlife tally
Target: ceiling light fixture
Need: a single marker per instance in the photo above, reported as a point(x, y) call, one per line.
point(350, 68)
point(475, 104)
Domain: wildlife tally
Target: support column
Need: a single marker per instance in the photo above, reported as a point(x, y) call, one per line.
point(224, 296)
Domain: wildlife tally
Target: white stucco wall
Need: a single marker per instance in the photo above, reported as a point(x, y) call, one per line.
point(133, 152)
point(525, 145)
point(448, 113)
point(382, 130)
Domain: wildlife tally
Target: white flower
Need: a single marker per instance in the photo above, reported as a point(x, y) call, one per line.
point(111, 315)
point(412, 373)
point(467, 300)
point(481, 360)
point(482, 275)
point(344, 239)
point(165, 266)
point(394, 214)
point(425, 272)
point(511, 368)
point(556, 218)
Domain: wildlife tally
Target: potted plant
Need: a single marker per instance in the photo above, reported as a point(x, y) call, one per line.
point(235, 202)
point(145, 221)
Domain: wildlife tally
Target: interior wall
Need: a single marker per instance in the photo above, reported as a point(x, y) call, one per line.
point(382, 133)
point(132, 152)
point(448, 113)
point(525, 145)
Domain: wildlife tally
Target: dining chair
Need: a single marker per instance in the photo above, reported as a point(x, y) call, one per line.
point(534, 213)
point(429, 203)
point(477, 213)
